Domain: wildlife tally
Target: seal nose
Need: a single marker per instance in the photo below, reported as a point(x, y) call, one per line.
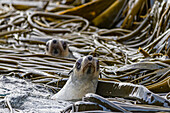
point(54, 41)
point(90, 58)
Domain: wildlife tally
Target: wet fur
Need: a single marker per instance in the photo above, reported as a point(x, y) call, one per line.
point(57, 50)
point(79, 83)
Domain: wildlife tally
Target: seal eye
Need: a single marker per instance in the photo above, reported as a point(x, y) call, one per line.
point(64, 44)
point(78, 64)
point(47, 45)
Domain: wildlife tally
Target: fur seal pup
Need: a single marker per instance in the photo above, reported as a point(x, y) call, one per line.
point(83, 79)
point(58, 48)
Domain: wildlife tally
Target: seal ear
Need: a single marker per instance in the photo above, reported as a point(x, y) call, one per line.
point(69, 50)
point(70, 71)
point(100, 74)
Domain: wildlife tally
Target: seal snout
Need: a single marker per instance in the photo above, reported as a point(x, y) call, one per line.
point(89, 60)
point(93, 62)
point(90, 64)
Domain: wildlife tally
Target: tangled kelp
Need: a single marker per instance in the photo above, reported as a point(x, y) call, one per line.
point(135, 49)
point(97, 103)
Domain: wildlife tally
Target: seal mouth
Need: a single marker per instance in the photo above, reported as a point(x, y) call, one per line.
point(56, 51)
point(89, 67)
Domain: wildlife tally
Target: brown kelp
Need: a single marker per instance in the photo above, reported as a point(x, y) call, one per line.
point(130, 38)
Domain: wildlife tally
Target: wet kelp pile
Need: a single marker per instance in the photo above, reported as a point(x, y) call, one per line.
point(130, 38)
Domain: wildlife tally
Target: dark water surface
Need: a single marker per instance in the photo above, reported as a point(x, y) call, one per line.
point(22, 95)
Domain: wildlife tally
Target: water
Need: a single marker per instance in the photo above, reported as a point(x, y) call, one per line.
point(25, 96)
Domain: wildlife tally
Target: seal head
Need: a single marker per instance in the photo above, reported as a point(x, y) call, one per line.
point(58, 48)
point(83, 79)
